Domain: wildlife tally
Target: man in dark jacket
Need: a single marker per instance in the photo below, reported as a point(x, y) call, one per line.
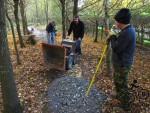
point(51, 32)
point(123, 48)
point(77, 26)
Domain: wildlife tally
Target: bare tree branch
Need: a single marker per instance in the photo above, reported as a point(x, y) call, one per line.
point(89, 5)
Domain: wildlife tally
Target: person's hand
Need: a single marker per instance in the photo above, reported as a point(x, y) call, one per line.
point(67, 36)
point(112, 33)
point(108, 41)
point(111, 37)
point(79, 38)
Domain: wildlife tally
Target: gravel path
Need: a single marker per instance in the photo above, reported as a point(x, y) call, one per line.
point(67, 95)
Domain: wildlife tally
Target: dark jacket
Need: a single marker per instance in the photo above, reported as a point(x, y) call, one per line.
point(50, 28)
point(123, 47)
point(78, 30)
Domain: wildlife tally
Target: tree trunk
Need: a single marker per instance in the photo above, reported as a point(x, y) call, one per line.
point(23, 16)
point(93, 30)
point(142, 35)
point(8, 86)
point(108, 54)
point(67, 15)
point(138, 34)
point(106, 18)
point(16, 3)
point(63, 18)
point(14, 38)
point(96, 33)
point(37, 14)
point(102, 32)
point(46, 11)
point(75, 8)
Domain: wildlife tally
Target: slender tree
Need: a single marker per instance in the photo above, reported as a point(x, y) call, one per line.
point(142, 34)
point(46, 10)
point(96, 33)
point(63, 12)
point(8, 86)
point(23, 16)
point(16, 4)
point(75, 8)
point(108, 54)
point(37, 13)
point(68, 3)
point(14, 37)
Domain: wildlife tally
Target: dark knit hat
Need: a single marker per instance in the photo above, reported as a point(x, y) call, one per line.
point(123, 16)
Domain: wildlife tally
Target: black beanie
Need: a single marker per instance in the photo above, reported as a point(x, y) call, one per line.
point(123, 16)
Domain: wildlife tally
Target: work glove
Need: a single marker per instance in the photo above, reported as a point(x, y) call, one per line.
point(110, 38)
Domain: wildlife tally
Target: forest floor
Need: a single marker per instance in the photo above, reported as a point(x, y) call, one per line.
point(33, 77)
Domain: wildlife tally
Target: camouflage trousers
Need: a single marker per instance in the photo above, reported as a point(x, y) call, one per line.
point(121, 85)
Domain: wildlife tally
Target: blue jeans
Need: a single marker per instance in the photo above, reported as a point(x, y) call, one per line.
point(51, 38)
point(78, 46)
point(71, 61)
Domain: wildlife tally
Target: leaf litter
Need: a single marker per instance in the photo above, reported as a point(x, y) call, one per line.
point(33, 77)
